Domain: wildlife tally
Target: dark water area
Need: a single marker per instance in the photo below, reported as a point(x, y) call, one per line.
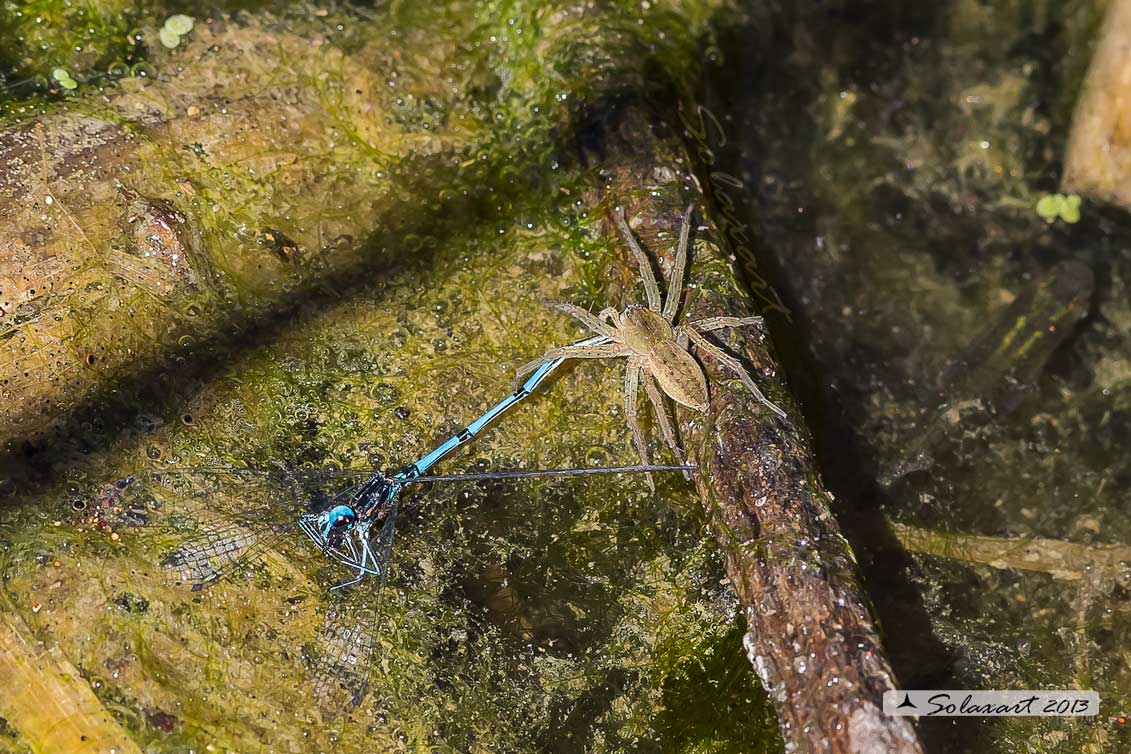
point(961, 360)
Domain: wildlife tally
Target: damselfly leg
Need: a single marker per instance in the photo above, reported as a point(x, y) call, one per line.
point(341, 529)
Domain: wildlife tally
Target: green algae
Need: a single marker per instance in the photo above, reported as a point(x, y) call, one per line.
point(87, 38)
point(428, 204)
point(718, 663)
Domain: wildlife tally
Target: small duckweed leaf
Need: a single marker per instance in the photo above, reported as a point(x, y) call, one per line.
point(1048, 206)
point(1070, 209)
point(179, 24)
point(170, 38)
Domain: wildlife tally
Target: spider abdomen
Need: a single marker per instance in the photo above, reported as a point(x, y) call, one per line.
point(678, 374)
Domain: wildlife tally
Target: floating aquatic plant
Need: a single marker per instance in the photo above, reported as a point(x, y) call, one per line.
point(180, 24)
point(1066, 207)
point(176, 27)
point(63, 76)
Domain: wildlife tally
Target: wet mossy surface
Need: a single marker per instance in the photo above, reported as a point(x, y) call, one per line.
point(323, 240)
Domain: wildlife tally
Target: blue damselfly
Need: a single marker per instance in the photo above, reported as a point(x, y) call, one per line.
point(227, 517)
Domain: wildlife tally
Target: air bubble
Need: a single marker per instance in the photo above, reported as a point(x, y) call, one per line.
point(384, 393)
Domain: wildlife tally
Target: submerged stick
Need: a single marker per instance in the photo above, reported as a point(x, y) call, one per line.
point(999, 369)
point(809, 637)
point(1068, 561)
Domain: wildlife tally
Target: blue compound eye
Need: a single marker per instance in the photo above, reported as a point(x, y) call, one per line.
point(342, 517)
point(338, 521)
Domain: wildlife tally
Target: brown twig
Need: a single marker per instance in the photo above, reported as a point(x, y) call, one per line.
point(1069, 561)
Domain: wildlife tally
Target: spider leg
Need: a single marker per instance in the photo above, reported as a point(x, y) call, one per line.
point(603, 351)
point(717, 323)
point(631, 389)
point(611, 315)
point(584, 317)
point(665, 421)
point(650, 288)
point(732, 364)
point(675, 284)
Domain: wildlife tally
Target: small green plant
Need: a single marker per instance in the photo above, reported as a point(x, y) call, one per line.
point(1052, 206)
point(63, 77)
point(174, 29)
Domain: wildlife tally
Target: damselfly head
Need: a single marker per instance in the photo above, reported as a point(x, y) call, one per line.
point(336, 523)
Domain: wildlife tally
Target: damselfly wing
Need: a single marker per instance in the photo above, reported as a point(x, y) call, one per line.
point(340, 660)
point(220, 520)
point(217, 522)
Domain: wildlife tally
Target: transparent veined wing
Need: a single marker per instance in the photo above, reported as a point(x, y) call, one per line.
point(215, 521)
point(252, 495)
point(218, 549)
point(340, 660)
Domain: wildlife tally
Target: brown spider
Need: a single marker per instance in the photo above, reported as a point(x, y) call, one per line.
point(656, 347)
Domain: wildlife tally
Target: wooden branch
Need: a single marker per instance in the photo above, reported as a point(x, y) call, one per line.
point(810, 637)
